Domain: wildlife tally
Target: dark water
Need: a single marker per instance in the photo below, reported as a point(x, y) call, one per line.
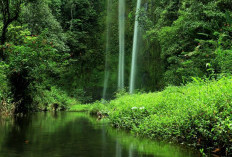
point(75, 135)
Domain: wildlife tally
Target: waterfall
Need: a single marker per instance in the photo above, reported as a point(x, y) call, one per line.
point(134, 50)
point(106, 79)
point(107, 51)
point(121, 63)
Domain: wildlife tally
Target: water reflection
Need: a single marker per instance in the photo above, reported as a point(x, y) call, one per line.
point(75, 134)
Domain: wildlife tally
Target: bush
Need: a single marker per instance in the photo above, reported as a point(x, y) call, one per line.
point(53, 99)
point(34, 65)
point(6, 105)
point(4, 89)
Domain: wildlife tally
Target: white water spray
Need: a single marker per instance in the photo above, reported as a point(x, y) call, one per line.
point(121, 63)
point(107, 53)
point(135, 49)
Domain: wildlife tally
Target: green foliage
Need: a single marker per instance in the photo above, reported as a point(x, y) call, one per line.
point(53, 49)
point(38, 17)
point(33, 54)
point(55, 59)
point(4, 88)
point(6, 105)
point(81, 96)
point(46, 99)
point(199, 114)
point(99, 107)
point(187, 32)
point(33, 48)
point(121, 93)
point(33, 62)
point(79, 108)
point(223, 52)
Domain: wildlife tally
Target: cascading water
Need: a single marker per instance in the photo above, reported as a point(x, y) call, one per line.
point(135, 49)
point(106, 80)
point(121, 63)
point(107, 53)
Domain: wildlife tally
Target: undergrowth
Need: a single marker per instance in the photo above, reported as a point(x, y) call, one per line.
point(199, 114)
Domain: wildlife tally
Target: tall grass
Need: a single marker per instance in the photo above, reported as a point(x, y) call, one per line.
point(199, 114)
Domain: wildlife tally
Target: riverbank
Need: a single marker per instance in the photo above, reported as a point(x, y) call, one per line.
point(79, 108)
point(198, 114)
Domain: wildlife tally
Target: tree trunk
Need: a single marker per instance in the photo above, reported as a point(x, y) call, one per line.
point(7, 20)
point(3, 40)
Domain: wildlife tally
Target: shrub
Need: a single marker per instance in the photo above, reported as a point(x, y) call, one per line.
point(6, 105)
point(46, 99)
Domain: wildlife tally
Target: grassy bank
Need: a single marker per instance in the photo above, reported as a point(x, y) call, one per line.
point(199, 114)
point(79, 108)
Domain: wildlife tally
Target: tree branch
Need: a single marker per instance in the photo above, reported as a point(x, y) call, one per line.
point(8, 18)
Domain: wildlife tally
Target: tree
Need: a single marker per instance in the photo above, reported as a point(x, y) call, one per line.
point(10, 12)
point(38, 16)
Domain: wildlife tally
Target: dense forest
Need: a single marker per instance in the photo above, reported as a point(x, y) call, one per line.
point(53, 51)
point(55, 54)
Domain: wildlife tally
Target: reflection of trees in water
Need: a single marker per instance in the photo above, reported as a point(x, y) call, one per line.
point(118, 149)
point(15, 139)
point(139, 147)
point(131, 150)
point(38, 136)
point(54, 114)
point(6, 121)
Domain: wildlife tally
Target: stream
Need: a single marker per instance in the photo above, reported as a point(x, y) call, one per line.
point(72, 134)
